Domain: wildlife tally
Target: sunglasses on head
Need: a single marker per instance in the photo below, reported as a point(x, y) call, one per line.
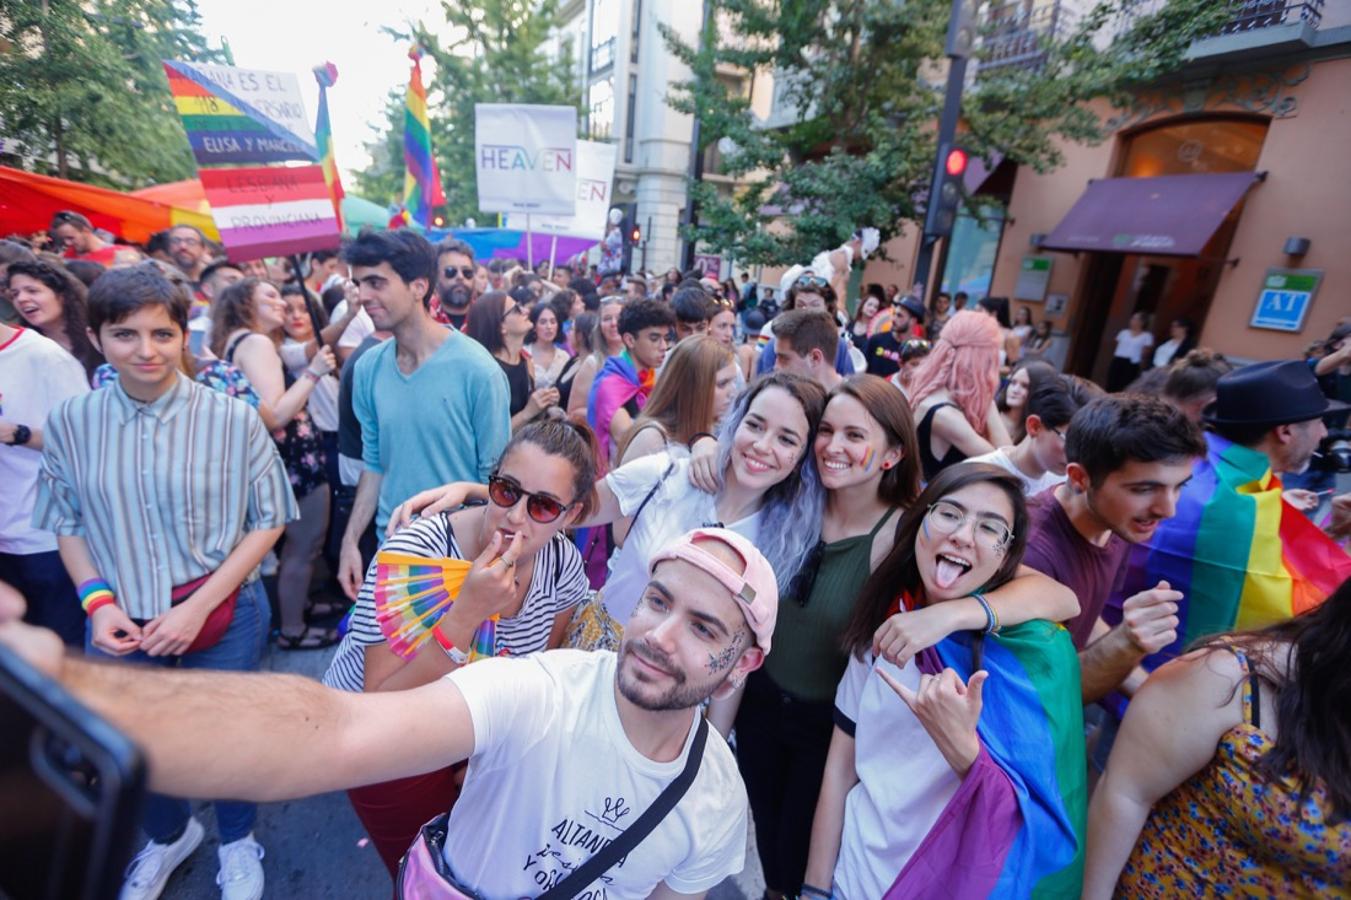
point(467, 272)
point(506, 493)
point(811, 281)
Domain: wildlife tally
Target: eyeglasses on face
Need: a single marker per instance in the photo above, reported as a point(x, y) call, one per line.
point(946, 518)
point(515, 309)
point(465, 272)
point(506, 493)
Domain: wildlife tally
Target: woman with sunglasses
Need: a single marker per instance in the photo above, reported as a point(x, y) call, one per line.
point(866, 456)
point(525, 570)
point(808, 291)
point(933, 787)
point(500, 323)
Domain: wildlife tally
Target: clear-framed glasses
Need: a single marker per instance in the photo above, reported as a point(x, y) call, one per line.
point(946, 518)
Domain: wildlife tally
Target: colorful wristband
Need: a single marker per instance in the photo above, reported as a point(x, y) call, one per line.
point(457, 656)
point(991, 620)
point(95, 593)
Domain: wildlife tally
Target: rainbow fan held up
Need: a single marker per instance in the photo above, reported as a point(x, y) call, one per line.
point(411, 595)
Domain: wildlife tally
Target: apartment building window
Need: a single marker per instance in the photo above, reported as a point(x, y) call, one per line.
point(600, 100)
point(604, 34)
point(637, 30)
point(630, 116)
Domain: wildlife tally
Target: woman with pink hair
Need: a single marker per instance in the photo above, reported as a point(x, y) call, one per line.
point(953, 394)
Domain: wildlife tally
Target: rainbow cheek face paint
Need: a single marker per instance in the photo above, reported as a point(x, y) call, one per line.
point(867, 462)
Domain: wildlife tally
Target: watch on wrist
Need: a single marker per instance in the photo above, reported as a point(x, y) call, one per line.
point(22, 433)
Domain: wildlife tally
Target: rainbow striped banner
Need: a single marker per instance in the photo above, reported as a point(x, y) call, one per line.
point(271, 211)
point(421, 179)
point(327, 76)
point(1241, 556)
point(237, 115)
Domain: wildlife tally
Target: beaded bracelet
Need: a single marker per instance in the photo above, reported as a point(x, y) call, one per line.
point(813, 891)
point(95, 594)
point(991, 620)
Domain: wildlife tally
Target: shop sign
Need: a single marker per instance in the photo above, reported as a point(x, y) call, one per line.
point(1285, 298)
point(1033, 279)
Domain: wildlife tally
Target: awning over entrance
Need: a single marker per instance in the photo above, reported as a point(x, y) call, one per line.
point(1168, 215)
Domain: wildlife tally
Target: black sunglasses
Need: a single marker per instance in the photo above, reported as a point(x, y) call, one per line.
point(506, 493)
point(466, 272)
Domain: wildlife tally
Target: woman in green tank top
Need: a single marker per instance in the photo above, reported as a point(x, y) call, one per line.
point(868, 460)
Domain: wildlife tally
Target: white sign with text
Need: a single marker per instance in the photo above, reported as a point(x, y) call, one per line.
point(525, 157)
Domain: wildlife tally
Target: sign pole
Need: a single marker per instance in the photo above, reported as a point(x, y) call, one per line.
point(309, 302)
point(529, 245)
point(553, 251)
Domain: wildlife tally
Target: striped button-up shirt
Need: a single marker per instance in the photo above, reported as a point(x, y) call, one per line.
point(162, 492)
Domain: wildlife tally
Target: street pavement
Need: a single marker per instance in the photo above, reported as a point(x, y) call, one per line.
point(315, 848)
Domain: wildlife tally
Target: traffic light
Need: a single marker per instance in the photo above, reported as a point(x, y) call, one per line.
point(635, 235)
point(945, 194)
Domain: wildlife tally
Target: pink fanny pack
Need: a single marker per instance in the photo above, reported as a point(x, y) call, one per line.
point(423, 872)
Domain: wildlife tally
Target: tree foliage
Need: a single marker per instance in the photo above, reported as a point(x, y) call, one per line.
point(864, 82)
point(497, 52)
point(82, 86)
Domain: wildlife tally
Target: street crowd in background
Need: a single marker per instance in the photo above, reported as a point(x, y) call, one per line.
point(865, 573)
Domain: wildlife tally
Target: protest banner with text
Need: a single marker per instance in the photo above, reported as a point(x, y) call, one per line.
point(235, 115)
point(595, 177)
point(271, 211)
point(525, 156)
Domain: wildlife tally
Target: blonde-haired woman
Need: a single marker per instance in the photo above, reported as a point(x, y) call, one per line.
point(953, 394)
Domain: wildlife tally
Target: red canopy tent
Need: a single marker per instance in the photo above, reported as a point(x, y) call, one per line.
point(28, 202)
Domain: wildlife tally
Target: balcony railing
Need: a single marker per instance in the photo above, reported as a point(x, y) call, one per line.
point(1019, 37)
point(1249, 15)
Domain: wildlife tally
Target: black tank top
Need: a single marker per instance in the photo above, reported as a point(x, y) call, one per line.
point(518, 379)
point(928, 463)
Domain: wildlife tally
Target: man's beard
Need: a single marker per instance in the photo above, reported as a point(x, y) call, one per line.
point(456, 296)
point(680, 695)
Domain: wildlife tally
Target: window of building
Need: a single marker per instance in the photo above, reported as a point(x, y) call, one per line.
point(637, 30)
point(604, 32)
point(1194, 147)
point(630, 117)
point(600, 100)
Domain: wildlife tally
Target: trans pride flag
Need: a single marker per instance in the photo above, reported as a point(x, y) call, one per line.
point(1015, 827)
point(421, 179)
point(1241, 556)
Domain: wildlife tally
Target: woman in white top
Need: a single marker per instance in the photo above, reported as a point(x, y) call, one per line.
point(1022, 324)
point(771, 494)
point(1132, 344)
point(546, 345)
point(1180, 342)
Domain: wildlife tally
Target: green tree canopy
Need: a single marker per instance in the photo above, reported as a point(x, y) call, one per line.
point(498, 52)
point(82, 86)
point(863, 81)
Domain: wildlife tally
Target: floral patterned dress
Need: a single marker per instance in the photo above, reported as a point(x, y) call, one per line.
point(1230, 832)
point(212, 373)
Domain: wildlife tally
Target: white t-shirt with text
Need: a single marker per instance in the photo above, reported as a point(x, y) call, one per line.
point(554, 778)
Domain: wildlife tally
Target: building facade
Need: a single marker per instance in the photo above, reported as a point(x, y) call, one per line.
point(1222, 196)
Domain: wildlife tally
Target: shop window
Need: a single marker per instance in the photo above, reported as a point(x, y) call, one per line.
point(1194, 147)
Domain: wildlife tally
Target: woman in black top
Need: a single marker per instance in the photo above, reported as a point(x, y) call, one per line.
point(500, 323)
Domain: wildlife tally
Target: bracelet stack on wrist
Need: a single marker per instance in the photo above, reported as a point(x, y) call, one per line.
point(991, 620)
point(310, 374)
point(94, 595)
point(812, 891)
point(457, 656)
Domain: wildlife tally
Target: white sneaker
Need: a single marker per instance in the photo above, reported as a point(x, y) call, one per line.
point(150, 869)
point(241, 869)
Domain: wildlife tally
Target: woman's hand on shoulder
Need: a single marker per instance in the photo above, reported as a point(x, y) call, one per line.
point(429, 503)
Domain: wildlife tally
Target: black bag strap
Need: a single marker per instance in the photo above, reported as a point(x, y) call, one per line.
point(632, 836)
point(670, 467)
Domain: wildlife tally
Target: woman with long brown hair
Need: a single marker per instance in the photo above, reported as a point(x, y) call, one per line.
point(500, 322)
point(51, 301)
point(1252, 795)
point(605, 342)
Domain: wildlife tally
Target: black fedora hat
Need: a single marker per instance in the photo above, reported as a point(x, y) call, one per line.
point(1268, 393)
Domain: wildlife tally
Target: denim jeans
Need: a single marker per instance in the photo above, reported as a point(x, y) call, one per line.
point(52, 600)
point(240, 649)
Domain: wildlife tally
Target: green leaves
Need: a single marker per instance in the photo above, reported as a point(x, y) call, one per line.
point(83, 88)
point(861, 82)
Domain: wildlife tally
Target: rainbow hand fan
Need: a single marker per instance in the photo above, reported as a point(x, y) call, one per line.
point(411, 595)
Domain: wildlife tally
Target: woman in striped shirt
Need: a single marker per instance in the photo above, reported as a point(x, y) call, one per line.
point(524, 569)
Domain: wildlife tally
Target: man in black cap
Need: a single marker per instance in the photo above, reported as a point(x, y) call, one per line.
point(883, 350)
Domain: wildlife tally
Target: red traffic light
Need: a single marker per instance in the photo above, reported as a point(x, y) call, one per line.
point(636, 235)
point(956, 161)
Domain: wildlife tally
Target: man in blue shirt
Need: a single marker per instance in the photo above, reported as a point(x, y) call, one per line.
point(433, 404)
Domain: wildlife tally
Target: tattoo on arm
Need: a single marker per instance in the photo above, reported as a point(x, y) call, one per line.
point(723, 660)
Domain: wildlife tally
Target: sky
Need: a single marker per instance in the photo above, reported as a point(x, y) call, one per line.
point(297, 35)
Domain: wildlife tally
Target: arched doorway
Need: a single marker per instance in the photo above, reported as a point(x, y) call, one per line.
point(1164, 287)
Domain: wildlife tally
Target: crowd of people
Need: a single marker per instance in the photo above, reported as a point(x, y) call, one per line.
point(871, 576)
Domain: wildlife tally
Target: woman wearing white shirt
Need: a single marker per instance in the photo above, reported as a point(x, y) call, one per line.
point(1179, 343)
point(1131, 346)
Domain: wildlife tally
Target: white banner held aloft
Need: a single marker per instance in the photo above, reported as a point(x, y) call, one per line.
point(525, 156)
point(595, 177)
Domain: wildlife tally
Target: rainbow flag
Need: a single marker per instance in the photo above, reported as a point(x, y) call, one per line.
point(327, 76)
point(1015, 827)
point(225, 127)
point(421, 180)
point(617, 382)
point(1241, 556)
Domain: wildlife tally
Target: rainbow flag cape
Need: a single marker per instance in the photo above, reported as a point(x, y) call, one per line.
point(616, 383)
point(1015, 827)
point(1241, 556)
point(421, 179)
point(327, 76)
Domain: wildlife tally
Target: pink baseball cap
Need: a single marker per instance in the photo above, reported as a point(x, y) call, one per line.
point(755, 589)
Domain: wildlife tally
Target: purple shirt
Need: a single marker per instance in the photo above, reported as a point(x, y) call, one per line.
point(1056, 548)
